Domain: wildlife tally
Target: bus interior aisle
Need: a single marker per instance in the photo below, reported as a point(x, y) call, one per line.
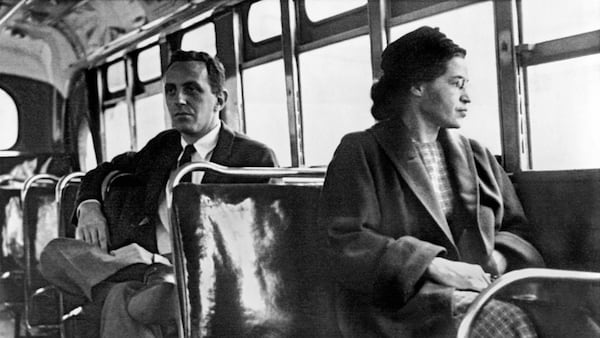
point(81, 81)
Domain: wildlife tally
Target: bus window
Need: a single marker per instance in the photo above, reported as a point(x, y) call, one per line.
point(563, 112)
point(116, 126)
point(200, 39)
point(116, 77)
point(483, 118)
point(148, 64)
point(10, 121)
point(559, 19)
point(150, 118)
point(317, 10)
point(87, 153)
point(265, 108)
point(336, 82)
point(264, 20)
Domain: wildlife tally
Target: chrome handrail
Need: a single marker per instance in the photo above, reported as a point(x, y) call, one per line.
point(60, 189)
point(64, 181)
point(32, 180)
point(29, 183)
point(519, 276)
point(184, 327)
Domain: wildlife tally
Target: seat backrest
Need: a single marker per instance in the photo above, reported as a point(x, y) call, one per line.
point(40, 226)
point(67, 208)
point(560, 303)
point(120, 188)
point(256, 260)
point(10, 217)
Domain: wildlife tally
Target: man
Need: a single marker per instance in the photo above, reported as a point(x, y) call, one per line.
point(126, 262)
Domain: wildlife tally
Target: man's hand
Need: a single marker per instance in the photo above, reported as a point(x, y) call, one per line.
point(134, 253)
point(91, 226)
point(463, 276)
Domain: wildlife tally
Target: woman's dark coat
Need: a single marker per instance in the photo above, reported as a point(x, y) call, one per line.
point(386, 226)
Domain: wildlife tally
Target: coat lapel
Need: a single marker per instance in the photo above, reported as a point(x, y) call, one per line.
point(393, 137)
point(475, 243)
point(222, 152)
point(160, 168)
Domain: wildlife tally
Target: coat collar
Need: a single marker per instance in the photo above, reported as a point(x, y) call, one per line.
point(393, 137)
point(223, 149)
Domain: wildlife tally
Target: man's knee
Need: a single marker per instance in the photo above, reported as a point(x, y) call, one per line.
point(52, 256)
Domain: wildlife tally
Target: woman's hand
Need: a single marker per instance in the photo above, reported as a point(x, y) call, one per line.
point(463, 276)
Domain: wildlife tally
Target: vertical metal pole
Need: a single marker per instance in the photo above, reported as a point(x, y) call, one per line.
point(292, 83)
point(508, 89)
point(378, 32)
point(129, 100)
point(229, 52)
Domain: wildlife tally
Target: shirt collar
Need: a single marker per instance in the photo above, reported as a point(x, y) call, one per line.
point(207, 143)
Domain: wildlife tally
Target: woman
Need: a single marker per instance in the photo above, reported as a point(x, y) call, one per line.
point(419, 217)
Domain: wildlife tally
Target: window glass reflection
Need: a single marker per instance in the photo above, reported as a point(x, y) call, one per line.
point(116, 124)
point(201, 39)
point(116, 77)
point(265, 108)
point(264, 20)
point(336, 82)
point(10, 121)
point(149, 118)
point(317, 10)
point(148, 65)
point(563, 112)
point(552, 19)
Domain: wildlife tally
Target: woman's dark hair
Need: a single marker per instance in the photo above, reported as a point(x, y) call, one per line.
point(214, 67)
point(419, 56)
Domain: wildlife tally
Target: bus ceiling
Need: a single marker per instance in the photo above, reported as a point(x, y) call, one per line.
point(48, 40)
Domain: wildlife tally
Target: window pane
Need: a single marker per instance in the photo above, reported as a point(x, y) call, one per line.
point(264, 20)
point(118, 137)
point(149, 118)
point(563, 111)
point(116, 76)
point(265, 108)
point(317, 10)
point(552, 19)
point(10, 121)
point(483, 119)
point(87, 153)
point(335, 81)
point(148, 66)
point(201, 39)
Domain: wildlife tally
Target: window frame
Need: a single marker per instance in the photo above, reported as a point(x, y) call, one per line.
point(542, 52)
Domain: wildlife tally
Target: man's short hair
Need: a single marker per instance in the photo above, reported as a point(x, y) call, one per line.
point(214, 67)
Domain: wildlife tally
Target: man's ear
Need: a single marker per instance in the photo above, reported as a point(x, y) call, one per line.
point(417, 89)
point(221, 100)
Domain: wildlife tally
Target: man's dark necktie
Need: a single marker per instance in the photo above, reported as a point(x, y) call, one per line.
point(185, 158)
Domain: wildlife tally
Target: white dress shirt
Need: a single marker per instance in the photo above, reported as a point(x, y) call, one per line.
point(204, 149)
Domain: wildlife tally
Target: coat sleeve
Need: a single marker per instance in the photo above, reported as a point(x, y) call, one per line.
point(363, 258)
point(92, 181)
point(90, 188)
point(513, 233)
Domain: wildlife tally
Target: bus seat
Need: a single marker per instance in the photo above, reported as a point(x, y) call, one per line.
point(40, 222)
point(256, 260)
point(561, 303)
point(254, 256)
point(83, 320)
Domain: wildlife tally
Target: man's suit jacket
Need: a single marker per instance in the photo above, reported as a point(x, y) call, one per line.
point(385, 226)
point(151, 167)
